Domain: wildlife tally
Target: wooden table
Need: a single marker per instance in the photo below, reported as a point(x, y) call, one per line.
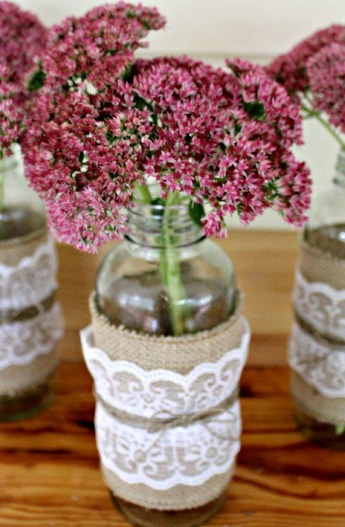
point(49, 473)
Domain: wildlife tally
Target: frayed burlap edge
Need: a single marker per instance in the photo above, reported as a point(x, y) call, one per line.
point(178, 354)
point(320, 266)
point(324, 409)
point(179, 497)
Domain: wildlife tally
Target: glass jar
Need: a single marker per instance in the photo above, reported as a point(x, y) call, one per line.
point(27, 269)
point(166, 278)
point(317, 384)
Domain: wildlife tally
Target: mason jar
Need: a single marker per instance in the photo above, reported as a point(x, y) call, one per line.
point(30, 319)
point(317, 347)
point(166, 349)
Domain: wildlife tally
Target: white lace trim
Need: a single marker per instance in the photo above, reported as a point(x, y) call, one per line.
point(22, 342)
point(186, 455)
point(322, 306)
point(127, 387)
point(320, 364)
point(31, 281)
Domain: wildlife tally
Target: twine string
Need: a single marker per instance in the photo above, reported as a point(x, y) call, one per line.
point(9, 316)
point(163, 420)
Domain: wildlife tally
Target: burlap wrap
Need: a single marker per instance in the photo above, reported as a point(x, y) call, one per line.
point(319, 266)
point(14, 249)
point(17, 380)
point(323, 409)
point(181, 355)
point(177, 498)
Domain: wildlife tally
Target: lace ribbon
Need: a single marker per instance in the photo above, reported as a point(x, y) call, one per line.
point(30, 320)
point(181, 455)
point(125, 386)
point(29, 282)
point(179, 429)
point(321, 306)
point(320, 363)
point(22, 342)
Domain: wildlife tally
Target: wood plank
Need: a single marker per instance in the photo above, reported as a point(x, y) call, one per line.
point(50, 475)
point(49, 464)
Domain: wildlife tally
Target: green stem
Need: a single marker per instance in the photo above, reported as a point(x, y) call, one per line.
point(143, 194)
point(312, 113)
point(171, 269)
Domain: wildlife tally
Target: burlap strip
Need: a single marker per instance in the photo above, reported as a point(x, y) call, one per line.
point(15, 249)
point(317, 265)
point(320, 266)
point(16, 380)
point(177, 498)
point(181, 355)
point(323, 409)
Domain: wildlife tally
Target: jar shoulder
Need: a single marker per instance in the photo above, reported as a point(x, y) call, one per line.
point(132, 287)
point(129, 258)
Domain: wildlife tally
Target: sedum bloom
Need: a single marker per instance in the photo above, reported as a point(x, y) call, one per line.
point(326, 71)
point(291, 69)
point(22, 37)
point(104, 122)
point(314, 73)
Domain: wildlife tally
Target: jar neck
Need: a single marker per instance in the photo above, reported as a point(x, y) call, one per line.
point(339, 175)
point(159, 227)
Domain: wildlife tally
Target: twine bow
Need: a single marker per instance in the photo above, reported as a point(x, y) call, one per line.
point(162, 420)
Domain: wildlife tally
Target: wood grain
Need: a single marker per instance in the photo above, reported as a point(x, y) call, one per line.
point(49, 464)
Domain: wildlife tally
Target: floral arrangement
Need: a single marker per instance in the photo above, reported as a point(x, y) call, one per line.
point(314, 74)
point(22, 37)
point(103, 122)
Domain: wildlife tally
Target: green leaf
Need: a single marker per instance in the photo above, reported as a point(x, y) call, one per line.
point(140, 103)
point(128, 73)
point(238, 128)
point(110, 137)
point(255, 110)
point(37, 80)
point(197, 212)
point(131, 14)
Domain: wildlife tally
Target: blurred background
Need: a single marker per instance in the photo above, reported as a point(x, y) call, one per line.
point(213, 30)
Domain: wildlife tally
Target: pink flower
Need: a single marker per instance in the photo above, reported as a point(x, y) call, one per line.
point(98, 46)
point(326, 71)
point(22, 38)
point(11, 113)
point(290, 69)
point(313, 72)
point(101, 127)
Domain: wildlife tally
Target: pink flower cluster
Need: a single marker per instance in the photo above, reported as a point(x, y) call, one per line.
point(315, 68)
point(22, 37)
point(290, 69)
point(326, 72)
point(11, 113)
point(98, 46)
point(104, 122)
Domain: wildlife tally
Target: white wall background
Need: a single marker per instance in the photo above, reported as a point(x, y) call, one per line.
point(215, 29)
